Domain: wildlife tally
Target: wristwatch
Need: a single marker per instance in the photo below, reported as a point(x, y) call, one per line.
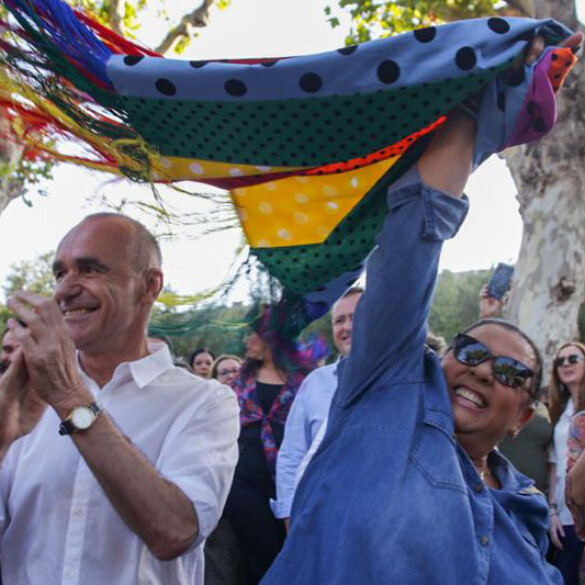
point(80, 419)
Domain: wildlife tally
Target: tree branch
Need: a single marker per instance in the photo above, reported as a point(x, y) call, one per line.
point(196, 19)
point(115, 15)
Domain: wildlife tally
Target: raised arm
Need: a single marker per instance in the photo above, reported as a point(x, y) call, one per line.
point(424, 209)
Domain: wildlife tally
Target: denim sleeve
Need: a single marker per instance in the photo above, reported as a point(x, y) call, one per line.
point(389, 329)
point(294, 447)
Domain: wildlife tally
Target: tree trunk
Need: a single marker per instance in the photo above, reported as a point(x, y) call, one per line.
point(549, 284)
point(10, 155)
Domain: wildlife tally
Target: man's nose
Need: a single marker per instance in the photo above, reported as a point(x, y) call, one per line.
point(67, 286)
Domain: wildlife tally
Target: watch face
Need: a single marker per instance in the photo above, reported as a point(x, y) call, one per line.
point(82, 417)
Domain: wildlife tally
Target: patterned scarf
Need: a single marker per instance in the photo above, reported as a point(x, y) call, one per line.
point(251, 412)
point(307, 146)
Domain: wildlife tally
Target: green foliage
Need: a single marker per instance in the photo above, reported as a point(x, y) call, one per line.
point(32, 275)
point(374, 18)
point(456, 301)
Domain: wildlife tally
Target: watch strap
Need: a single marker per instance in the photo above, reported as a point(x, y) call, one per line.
point(67, 427)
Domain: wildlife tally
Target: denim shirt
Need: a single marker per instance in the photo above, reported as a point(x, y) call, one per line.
point(390, 497)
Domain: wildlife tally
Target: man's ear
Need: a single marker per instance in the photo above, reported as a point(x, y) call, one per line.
point(523, 419)
point(153, 279)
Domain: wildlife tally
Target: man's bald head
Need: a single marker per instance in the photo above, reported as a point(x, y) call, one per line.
point(145, 251)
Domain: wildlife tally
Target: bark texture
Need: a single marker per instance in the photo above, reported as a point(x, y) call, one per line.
point(10, 155)
point(549, 284)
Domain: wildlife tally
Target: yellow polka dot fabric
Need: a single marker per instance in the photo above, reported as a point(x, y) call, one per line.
point(302, 210)
point(169, 168)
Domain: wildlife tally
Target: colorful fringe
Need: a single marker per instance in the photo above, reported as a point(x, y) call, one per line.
point(307, 146)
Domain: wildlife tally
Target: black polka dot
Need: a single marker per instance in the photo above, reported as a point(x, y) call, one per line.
point(425, 35)
point(198, 64)
point(516, 77)
point(166, 87)
point(347, 50)
point(539, 125)
point(499, 25)
point(235, 87)
point(465, 58)
point(388, 71)
point(554, 56)
point(132, 60)
point(310, 82)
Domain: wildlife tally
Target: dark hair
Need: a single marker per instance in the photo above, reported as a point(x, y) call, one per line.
point(559, 393)
point(536, 381)
point(197, 352)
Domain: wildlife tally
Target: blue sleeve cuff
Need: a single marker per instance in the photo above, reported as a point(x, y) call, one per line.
point(443, 214)
point(280, 509)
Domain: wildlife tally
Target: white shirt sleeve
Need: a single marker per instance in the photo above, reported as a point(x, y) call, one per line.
point(200, 455)
point(295, 445)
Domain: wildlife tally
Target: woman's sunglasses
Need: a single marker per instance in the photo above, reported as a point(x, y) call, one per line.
point(471, 352)
point(573, 359)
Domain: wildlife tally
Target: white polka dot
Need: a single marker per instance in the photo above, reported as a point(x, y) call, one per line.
point(329, 191)
point(242, 214)
point(284, 234)
point(301, 197)
point(196, 169)
point(354, 182)
point(302, 179)
point(263, 244)
point(236, 172)
point(301, 218)
point(323, 230)
point(331, 206)
point(241, 191)
point(270, 186)
point(165, 162)
point(156, 176)
point(265, 207)
point(264, 169)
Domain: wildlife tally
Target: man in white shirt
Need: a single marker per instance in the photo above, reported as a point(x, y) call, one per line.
point(116, 465)
point(311, 406)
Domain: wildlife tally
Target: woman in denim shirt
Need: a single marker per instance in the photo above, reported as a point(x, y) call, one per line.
point(407, 487)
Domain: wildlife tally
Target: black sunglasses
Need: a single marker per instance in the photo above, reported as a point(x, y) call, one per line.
point(471, 352)
point(573, 359)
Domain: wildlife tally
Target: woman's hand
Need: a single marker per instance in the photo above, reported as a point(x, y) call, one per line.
point(556, 531)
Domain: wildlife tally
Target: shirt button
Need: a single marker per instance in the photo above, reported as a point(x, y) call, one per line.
point(77, 511)
point(484, 541)
point(69, 575)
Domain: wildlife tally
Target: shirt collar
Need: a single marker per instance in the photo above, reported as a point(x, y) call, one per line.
point(142, 371)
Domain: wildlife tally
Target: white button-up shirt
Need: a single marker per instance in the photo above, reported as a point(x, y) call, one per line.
point(56, 523)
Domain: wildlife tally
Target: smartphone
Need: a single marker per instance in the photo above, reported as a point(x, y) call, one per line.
point(501, 281)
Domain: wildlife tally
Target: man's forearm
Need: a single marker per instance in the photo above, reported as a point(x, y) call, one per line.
point(152, 507)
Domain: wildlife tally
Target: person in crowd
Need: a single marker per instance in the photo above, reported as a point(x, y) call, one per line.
point(201, 361)
point(311, 406)
point(115, 465)
point(567, 384)
point(226, 368)
point(7, 349)
point(407, 486)
point(222, 553)
point(269, 379)
point(575, 484)
point(528, 450)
